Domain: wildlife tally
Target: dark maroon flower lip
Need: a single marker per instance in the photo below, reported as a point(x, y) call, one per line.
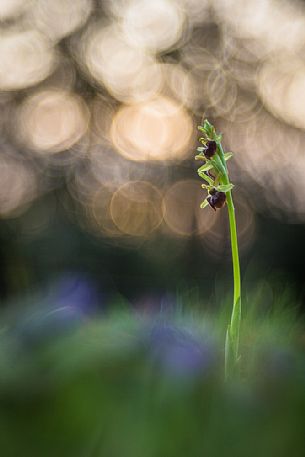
point(210, 150)
point(216, 199)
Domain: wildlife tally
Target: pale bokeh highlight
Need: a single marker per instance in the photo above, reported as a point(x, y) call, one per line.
point(52, 121)
point(27, 57)
point(157, 130)
point(106, 95)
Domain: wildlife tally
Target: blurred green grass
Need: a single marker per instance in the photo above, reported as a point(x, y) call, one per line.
point(129, 384)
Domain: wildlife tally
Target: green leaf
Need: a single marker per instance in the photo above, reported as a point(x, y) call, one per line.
point(224, 187)
point(228, 155)
point(204, 203)
point(229, 354)
point(206, 167)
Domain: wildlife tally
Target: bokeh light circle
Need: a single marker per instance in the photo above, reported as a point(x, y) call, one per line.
point(18, 186)
point(59, 18)
point(159, 129)
point(27, 58)
point(182, 212)
point(52, 120)
point(136, 208)
point(128, 73)
point(13, 8)
point(153, 25)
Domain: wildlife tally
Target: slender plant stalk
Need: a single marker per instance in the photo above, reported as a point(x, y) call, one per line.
point(232, 339)
point(220, 191)
point(233, 330)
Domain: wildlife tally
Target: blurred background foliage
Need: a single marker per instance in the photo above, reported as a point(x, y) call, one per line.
point(109, 269)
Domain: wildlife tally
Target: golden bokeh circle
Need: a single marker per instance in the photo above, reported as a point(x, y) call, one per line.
point(136, 208)
point(159, 129)
point(182, 212)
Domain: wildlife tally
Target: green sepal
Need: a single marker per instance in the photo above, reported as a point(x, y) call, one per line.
point(201, 149)
point(217, 164)
point(204, 204)
point(224, 187)
point(209, 132)
point(206, 167)
point(208, 128)
point(227, 155)
point(200, 157)
point(207, 178)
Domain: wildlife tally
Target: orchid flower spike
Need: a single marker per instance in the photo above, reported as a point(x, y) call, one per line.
point(214, 170)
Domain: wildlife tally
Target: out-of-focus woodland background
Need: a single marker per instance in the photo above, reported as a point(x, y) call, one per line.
point(99, 106)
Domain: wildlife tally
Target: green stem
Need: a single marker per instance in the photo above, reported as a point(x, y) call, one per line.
point(233, 331)
point(234, 246)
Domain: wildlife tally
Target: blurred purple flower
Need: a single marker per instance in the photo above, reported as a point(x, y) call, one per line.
point(63, 307)
point(179, 353)
point(75, 291)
